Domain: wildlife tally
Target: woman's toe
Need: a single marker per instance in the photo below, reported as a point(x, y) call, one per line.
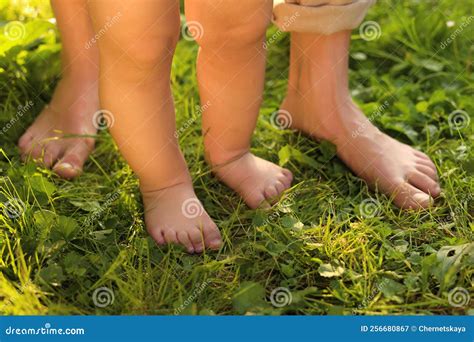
point(426, 161)
point(25, 141)
point(428, 171)
point(66, 169)
point(409, 197)
point(51, 155)
point(71, 164)
point(421, 155)
point(35, 152)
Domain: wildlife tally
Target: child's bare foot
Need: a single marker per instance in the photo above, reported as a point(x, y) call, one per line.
point(257, 181)
point(319, 102)
point(135, 84)
point(175, 215)
point(50, 139)
point(231, 74)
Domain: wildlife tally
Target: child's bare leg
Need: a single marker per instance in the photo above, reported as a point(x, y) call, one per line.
point(135, 64)
point(75, 99)
point(320, 103)
point(231, 67)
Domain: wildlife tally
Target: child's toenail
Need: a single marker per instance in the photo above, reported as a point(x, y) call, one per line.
point(215, 243)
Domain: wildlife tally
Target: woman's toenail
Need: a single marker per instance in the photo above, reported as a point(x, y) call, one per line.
point(64, 166)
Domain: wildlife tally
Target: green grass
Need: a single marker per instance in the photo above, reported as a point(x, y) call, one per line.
point(73, 237)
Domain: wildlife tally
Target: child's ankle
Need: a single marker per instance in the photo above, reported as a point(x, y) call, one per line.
point(224, 157)
point(149, 186)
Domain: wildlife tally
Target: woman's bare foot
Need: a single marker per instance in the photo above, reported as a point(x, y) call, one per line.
point(53, 139)
point(57, 137)
point(320, 105)
point(175, 215)
point(387, 165)
point(257, 181)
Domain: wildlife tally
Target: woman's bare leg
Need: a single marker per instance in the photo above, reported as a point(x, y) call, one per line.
point(75, 99)
point(135, 64)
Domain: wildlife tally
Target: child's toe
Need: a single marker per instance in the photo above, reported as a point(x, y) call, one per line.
point(271, 192)
point(257, 200)
point(212, 236)
point(185, 240)
point(196, 239)
point(280, 187)
point(288, 177)
point(157, 235)
point(170, 236)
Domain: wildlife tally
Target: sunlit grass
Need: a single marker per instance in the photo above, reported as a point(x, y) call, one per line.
point(65, 239)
